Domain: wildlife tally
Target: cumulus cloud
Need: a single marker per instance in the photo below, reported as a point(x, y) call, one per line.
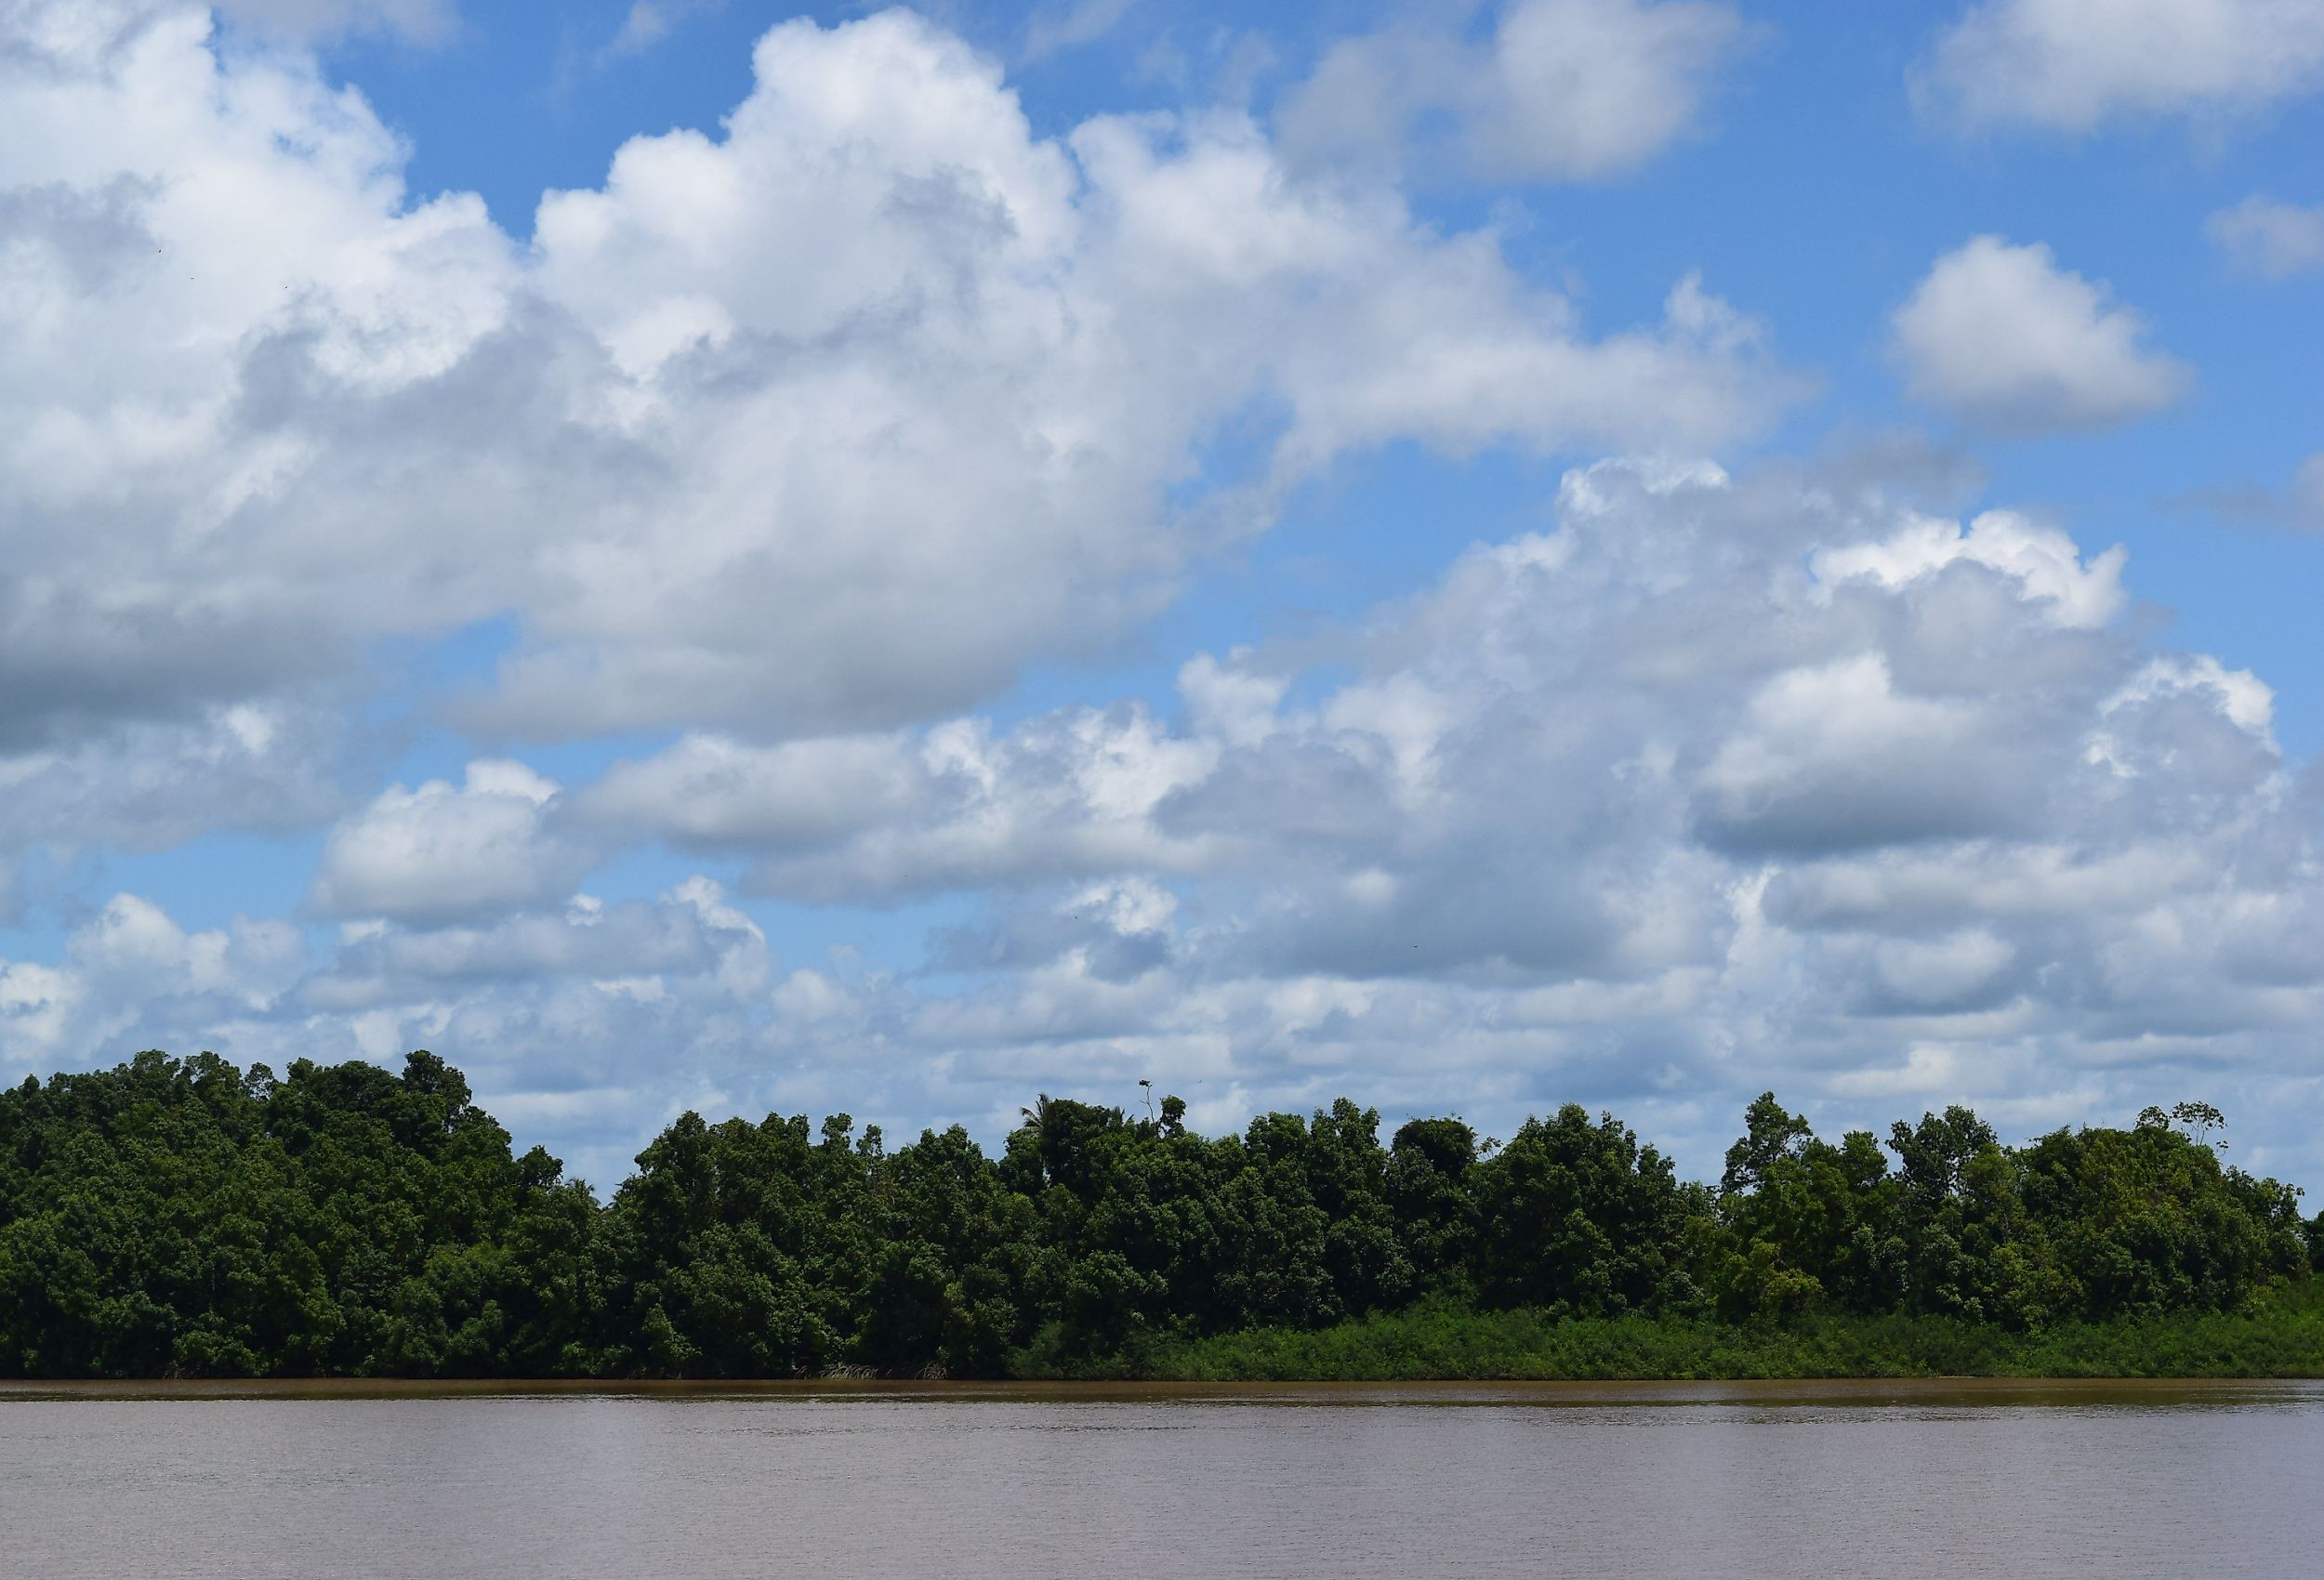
point(445, 851)
point(2049, 569)
point(132, 965)
point(2273, 240)
point(2072, 65)
point(1838, 756)
point(582, 1025)
point(636, 947)
point(151, 784)
point(711, 793)
point(2002, 336)
point(830, 421)
point(788, 441)
point(1721, 783)
point(887, 817)
point(1560, 90)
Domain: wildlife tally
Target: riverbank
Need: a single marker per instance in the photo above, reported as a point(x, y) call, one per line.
point(188, 1219)
point(2280, 1335)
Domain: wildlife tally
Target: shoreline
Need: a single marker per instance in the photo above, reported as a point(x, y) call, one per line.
point(1578, 1393)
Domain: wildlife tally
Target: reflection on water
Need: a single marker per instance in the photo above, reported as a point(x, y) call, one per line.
point(825, 1478)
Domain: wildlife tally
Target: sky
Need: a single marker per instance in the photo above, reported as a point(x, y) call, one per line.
point(696, 554)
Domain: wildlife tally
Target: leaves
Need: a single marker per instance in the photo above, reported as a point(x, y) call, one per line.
point(186, 1217)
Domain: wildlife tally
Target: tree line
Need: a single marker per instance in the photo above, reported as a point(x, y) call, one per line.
point(187, 1218)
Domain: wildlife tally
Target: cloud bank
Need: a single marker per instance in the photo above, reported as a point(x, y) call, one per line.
point(1723, 782)
point(779, 453)
point(836, 420)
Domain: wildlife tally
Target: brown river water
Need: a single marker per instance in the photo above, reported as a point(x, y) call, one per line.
point(1953, 1479)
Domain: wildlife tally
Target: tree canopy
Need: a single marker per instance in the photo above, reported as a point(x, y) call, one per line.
point(183, 1216)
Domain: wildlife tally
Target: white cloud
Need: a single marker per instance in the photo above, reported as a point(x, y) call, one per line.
point(811, 995)
point(2072, 65)
point(689, 933)
point(2270, 239)
point(778, 440)
point(151, 784)
point(828, 422)
point(132, 963)
point(1831, 755)
point(1926, 1073)
point(1237, 707)
point(2045, 562)
point(1724, 783)
point(577, 1027)
point(1942, 972)
point(441, 851)
point(2243, 697)
point(2001, 335)
point(880, 817)
point(712, 792)
point(1561, 89)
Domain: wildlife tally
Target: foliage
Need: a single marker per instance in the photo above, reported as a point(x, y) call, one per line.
point(189, 1219)
point(2278, 1334)
point(186, 1217)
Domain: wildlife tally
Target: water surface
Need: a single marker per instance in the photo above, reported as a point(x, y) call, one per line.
point(331, 1481)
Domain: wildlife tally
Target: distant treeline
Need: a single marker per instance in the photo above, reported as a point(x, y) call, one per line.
point(187, 1218)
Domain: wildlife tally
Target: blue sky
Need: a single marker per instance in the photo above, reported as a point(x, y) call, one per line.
point(1465, 554)
point(1810, 192)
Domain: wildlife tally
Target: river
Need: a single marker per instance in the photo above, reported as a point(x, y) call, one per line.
point(321, 1482)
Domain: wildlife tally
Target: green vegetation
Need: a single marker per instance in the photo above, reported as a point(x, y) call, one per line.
point(2279, 1334)
point(187, 1218)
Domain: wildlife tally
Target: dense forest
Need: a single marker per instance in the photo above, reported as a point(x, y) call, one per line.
point(186, 1217)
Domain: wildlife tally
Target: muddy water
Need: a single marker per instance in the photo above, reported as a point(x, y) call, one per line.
point(1996, 1478)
